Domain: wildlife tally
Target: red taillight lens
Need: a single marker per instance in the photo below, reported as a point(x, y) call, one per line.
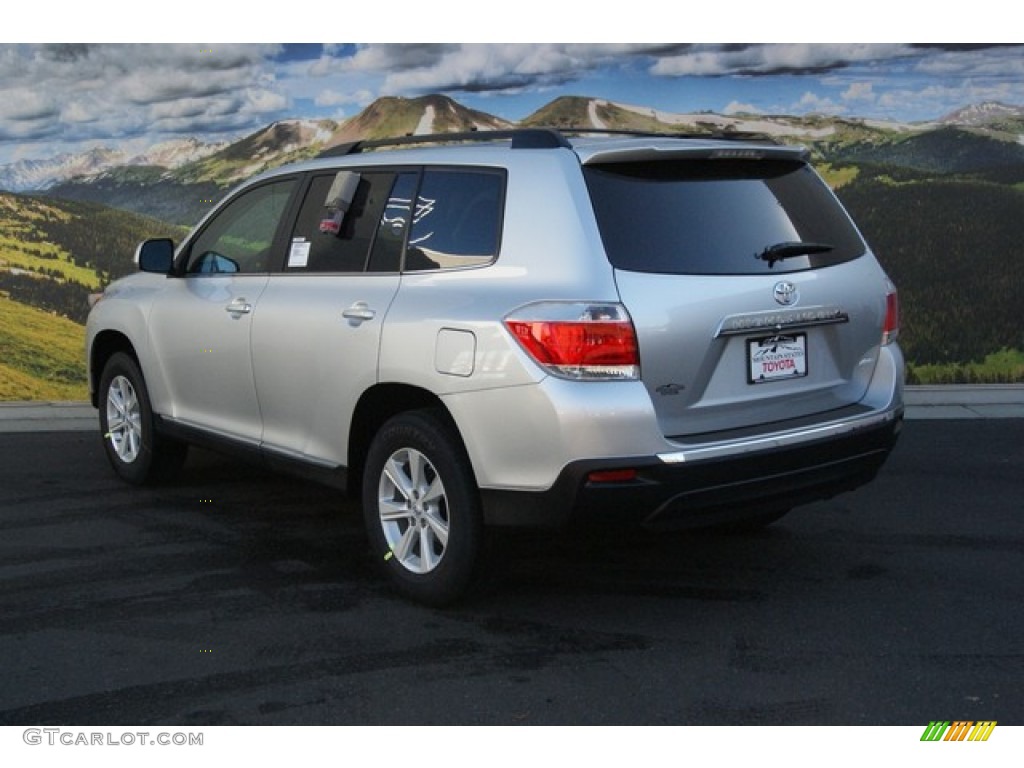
point(576, 344)
point(891, 328)
point(578, 341)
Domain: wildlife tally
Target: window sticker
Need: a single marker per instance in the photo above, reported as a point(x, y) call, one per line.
point(298, 256)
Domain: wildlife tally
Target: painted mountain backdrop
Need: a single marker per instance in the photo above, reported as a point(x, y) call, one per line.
point(941, 202)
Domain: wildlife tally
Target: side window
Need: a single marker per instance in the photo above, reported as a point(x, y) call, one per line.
point(394, 224)
point(239, 238)
point(457, 220)
point(332, 233)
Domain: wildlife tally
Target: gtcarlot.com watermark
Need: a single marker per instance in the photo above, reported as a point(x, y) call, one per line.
point(59, 736)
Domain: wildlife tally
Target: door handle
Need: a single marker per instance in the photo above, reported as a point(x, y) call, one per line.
point(239, 307)
point(359, 312)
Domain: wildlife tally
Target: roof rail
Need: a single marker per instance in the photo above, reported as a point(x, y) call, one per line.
point(536, 138)
point(521, 138)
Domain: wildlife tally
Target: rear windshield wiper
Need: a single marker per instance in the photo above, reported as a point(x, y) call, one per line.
point(780, 251)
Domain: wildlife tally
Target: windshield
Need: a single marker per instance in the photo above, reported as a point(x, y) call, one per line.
point(715, 217)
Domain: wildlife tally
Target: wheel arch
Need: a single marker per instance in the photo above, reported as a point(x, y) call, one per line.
point(106, 344)
point(378, 404)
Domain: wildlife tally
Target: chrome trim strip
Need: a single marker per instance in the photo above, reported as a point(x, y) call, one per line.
point(777, 319)
point(778, 439)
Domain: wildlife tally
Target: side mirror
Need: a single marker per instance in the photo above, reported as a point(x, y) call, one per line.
point(155, 255)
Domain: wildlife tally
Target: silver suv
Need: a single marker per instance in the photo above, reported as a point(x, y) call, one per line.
point(515, 328)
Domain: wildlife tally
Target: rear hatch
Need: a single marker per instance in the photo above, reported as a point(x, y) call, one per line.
point(755, 299)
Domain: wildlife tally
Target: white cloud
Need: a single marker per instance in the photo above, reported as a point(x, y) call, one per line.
point(26, 104)
point(332, 98)
point(479, 67)
point(990, 62)
point(811, 102)
point(87, 92)
point(736, 107)
point(262, 100)
point(781, 58)
point(77, 112)
point(859, 92)
point(194, 107)
point(937, 100)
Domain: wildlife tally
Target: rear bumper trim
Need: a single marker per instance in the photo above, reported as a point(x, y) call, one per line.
point(780, 439)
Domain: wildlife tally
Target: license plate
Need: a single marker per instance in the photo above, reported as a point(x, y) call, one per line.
point(777, 357)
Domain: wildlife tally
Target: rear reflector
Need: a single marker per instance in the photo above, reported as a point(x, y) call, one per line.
point(612, 476)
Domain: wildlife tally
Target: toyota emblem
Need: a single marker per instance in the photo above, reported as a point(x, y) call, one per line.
point(785, 293)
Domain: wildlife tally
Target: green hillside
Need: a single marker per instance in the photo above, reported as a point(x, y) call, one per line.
point(41, 355)
point(146, 191)
point(581, 111)
point(395, 116)
point(955, 248)
point(279, 143)
point(563, 111)
point(53, 254)
point(945, 150)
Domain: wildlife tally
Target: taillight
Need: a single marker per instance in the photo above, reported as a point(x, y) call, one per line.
point(582, 341)
point(891, 328)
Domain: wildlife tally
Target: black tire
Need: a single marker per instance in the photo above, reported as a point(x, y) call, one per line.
point(135, 450)
point(422, 508)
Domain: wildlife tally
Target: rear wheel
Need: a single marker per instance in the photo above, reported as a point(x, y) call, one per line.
point(422, 507)
point(136, 452)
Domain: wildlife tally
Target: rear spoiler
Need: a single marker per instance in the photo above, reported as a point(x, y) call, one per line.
point(703, 149)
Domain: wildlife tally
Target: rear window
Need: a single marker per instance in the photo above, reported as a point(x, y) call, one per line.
point(714, 217)
point(457, 220)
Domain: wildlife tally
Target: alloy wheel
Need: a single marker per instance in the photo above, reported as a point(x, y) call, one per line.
point(124, 419)
point(413, 510)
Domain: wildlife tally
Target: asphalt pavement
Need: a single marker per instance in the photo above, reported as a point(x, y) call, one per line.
point(235, 596)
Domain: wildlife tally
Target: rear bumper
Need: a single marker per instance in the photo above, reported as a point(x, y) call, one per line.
point(717, 481)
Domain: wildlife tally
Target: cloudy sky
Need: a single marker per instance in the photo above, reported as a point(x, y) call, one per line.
point(57, 98)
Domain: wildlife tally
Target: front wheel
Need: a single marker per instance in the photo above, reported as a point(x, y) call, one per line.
point(422, 507)
point(135, 450)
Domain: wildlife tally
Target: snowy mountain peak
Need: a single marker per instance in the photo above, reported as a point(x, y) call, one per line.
point(33, 175)
point(176, 152)
point(982, 113)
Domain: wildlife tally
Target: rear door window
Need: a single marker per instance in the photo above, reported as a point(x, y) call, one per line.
point(333, 235)
point(713, 217)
